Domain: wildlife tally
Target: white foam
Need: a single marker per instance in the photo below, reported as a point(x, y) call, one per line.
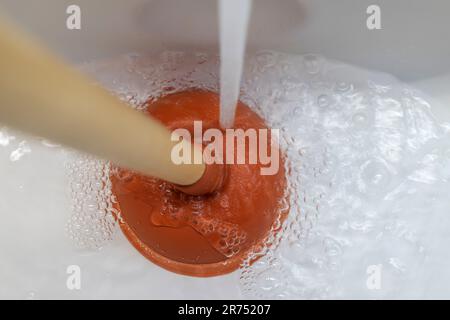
point(365, 157)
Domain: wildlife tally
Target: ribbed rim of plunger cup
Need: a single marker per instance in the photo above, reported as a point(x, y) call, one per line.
point(197, 270)
point(188, 269)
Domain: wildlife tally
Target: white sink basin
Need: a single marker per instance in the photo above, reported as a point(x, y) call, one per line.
point(35, 251)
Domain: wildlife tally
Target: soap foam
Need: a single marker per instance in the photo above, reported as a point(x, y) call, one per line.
point(368, 172)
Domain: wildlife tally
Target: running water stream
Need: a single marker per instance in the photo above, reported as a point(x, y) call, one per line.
point(234, 16)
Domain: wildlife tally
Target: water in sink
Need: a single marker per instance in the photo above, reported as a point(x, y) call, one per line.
point(369, 170)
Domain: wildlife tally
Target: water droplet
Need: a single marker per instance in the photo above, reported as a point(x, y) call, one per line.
point(343, 86)
point(360, 120)
point(375, 176)
point(312, 64)
point(265, 59)
point(332, 247)
point(323, 100)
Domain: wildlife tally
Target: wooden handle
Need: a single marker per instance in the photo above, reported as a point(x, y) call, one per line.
point(41, 95)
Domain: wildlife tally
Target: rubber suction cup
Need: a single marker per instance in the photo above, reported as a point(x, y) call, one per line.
point(200, 235)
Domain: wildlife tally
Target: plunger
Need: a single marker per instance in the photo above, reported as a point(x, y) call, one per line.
point(40, 95)
point(194, 219)
point(201, 235)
